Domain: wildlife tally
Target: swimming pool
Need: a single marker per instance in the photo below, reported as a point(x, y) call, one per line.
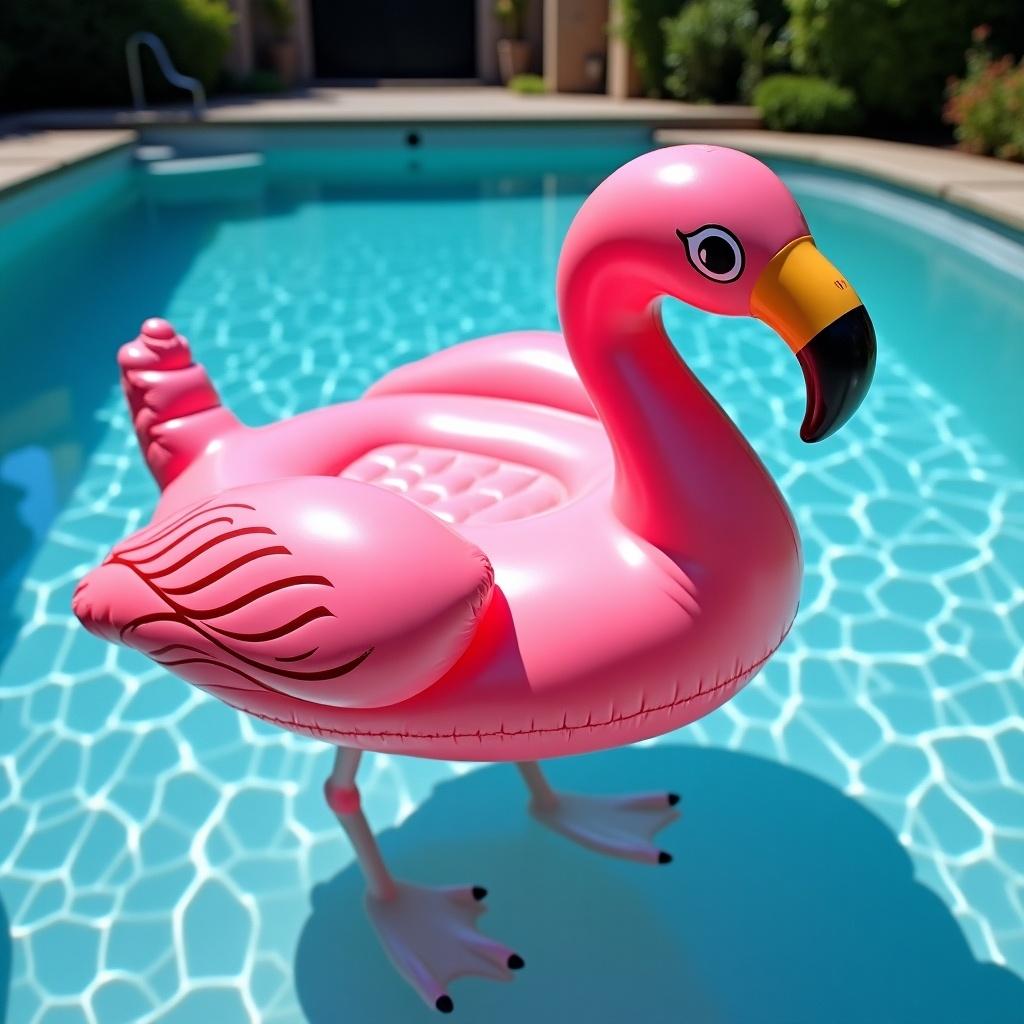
point(164, 858)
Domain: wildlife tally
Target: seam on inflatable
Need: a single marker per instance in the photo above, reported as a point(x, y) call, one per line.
point(319, 730)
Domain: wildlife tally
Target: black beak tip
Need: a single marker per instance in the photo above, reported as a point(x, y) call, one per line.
point(838, 364)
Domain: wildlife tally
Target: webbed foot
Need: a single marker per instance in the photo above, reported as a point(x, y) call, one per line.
point(620, 826)
point(431, 937)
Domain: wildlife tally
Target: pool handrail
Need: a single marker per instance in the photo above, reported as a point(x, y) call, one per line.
point(170, 72)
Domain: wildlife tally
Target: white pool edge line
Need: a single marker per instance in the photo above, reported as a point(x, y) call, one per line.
point(204, 164)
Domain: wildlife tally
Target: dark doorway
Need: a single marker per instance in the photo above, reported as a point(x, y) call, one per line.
point(394, 38)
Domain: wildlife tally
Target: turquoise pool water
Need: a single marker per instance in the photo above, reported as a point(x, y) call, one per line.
point(852, 845)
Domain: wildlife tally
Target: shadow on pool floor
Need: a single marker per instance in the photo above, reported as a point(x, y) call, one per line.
point(5, 961)
point(787, 903)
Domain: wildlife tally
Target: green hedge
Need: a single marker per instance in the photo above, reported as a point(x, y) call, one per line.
point(707, 46)
point(71, 52)
point(718, 50)
point(798, 103)
point(896, 55)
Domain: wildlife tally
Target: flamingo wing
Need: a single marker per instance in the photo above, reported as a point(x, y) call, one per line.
point(330, 591)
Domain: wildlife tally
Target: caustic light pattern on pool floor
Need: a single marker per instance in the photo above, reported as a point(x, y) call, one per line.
point(158, 849)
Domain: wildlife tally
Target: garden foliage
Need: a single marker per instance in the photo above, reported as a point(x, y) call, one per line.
point(804, 103)
point(706, 49)
point(528, 85)
point(59, 52)
point(894, 54)
point(639, 23)
point(883, 63)
point(986, 107)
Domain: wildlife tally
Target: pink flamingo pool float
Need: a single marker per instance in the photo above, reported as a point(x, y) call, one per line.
point(524, 546)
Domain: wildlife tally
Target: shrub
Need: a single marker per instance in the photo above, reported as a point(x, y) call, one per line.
point(894, 54)
point(639, 24)
point(986, 107)
point(706, 49)
point(71, 52)
point(799, 103)
point(527, 84)
point(197, 34)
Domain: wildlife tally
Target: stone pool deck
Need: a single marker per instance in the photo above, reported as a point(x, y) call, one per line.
point(41, 143)
point(27, 155)
point(416, 104)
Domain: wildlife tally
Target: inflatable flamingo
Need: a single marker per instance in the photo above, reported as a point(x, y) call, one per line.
point(524, 546)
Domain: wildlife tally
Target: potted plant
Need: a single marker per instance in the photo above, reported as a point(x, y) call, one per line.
point(513, 49)
point(279, 17)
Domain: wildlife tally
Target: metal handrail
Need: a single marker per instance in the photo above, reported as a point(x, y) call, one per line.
point(171, 73)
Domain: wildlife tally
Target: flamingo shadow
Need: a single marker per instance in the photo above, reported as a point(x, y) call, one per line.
point(5, 962)
point(787, 903)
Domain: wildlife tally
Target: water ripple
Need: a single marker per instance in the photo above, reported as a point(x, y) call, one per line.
point(158, 849)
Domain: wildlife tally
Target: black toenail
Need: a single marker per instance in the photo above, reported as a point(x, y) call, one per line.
point(673, 799)
point(479, 892)
point(516, 962)
point(445, 1004)
point(664, 858)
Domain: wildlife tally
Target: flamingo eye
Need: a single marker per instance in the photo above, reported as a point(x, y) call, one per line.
point(714, 251)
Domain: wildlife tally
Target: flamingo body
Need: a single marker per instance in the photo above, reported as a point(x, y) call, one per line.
point(592, 637)
point(543, 545)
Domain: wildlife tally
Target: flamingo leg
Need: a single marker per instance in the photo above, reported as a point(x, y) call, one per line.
point(620, 826)
point(428, 933)
point(343, 798)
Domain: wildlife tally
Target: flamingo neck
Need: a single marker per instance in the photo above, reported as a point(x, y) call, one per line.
point(685, 479)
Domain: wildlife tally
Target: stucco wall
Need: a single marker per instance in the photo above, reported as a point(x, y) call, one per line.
point(573, 29)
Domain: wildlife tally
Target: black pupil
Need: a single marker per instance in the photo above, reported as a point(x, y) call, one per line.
point(716, 254)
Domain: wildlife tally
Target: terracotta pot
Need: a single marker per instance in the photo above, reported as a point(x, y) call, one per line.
point(513, 58)
point(284, 55)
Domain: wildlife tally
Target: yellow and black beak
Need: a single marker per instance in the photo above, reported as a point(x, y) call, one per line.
point(818, 314)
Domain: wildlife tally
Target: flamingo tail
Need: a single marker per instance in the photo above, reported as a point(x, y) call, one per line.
point(174, 406)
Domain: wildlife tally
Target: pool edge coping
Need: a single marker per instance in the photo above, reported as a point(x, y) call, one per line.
point(41, 162)
point(982, 185)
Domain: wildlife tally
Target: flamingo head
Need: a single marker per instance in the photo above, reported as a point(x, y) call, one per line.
point(717, 229)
